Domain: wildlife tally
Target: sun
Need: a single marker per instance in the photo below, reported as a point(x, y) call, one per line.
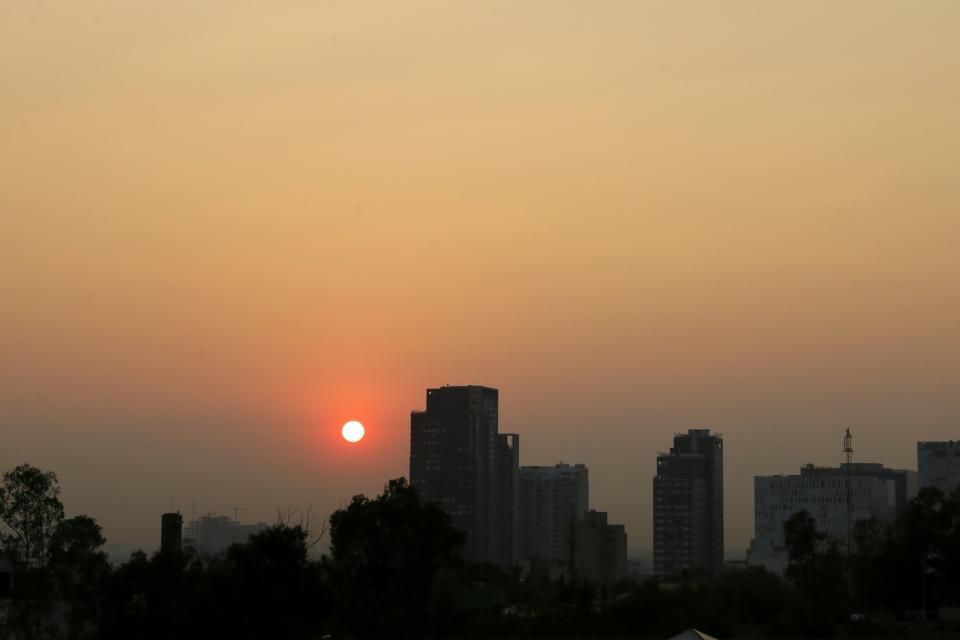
point(352, 431)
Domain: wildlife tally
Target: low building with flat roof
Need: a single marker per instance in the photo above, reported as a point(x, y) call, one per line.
point(874, 492)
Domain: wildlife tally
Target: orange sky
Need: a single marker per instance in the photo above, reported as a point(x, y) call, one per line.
point(228, 227)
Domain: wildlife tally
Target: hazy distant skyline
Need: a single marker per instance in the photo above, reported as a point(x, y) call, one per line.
point(228, 227)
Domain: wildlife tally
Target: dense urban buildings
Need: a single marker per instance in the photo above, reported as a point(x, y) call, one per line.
point(874, 492)
point(938, 465)
point(599, 549)
point(688, 506)
point(459, 460)
point(552, 499)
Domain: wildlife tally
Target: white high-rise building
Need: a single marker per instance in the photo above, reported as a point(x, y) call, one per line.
point(938, 464)
point(551, 500)
point(875, 492)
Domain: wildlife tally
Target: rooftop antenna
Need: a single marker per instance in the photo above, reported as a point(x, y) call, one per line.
point(236, 516)
point(848, 453)
point(848, 446)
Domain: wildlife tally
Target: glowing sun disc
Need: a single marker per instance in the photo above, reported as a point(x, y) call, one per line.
point(352, 431)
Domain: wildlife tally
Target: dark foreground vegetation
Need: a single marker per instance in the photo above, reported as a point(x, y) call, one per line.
point(392, 570)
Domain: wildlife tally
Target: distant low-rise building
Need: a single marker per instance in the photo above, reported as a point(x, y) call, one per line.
point(874, 492)
point(938, 465)
point(213, 534)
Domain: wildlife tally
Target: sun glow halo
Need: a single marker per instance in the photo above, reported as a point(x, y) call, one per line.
point(352, 431)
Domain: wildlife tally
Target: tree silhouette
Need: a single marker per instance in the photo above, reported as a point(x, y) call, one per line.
point(393, 569)
point(801, 538)
point(30, 508)
point(79, 567)
point(276, 589)
point(925, 551)
point(31, 511)
point(817, 570)
point(867, 561)
point(385, 554)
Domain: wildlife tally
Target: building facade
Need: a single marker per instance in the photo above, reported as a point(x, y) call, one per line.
point(214, 534)
point(874, 492)
point(688, 506)
point(938, 465)
point(507, 503)
point(599, 549)
point(552, 499)
point(460, 461)
point(171, 532)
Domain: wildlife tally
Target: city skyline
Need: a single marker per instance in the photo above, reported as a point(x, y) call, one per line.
point(731, 551)
point(948, 476)
point(227, 229)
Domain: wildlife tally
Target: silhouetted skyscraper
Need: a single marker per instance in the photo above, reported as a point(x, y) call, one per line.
point(458, 460)
point(171, 532)
point(688, 505)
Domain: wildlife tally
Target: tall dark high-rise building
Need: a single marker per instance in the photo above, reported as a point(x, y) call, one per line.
point(171, 532)
point(459, 460)
point(688, 505)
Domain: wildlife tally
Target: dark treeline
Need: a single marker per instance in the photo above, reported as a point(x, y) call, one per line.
point(393, 570)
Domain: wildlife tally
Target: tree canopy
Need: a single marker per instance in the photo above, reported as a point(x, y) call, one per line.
point(393, 569)
point(30, 508)
point(385, 553)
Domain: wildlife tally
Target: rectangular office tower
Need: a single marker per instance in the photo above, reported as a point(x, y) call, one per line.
point(171, 532)
point(459, 460)
point(688, 506)
point(552, 500)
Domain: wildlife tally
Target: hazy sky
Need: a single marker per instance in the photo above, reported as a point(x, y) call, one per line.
point(227, 227)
